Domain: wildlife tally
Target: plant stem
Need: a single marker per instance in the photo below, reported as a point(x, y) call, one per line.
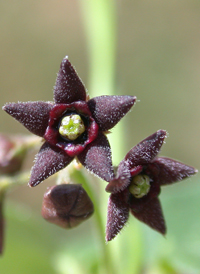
point(82, 177)
point(100, 21)
point(100, 27)
point(9, 181)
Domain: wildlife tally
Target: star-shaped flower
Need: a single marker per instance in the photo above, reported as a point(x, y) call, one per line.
point(137, 185)
point(71, 126)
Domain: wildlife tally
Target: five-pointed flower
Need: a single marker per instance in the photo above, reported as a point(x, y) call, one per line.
point(137, 185)
point(71, 126)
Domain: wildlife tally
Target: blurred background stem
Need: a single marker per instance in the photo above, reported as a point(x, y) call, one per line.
point(100, 21)
point(99, 18)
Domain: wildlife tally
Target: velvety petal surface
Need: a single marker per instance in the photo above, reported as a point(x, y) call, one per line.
point(118, 213)
point(96, 157)
point(48, 161)
point(33, 115)
point(168, 171)
point(152, 215)
point(108, 110)
point(144, 152)
point(69, 87)
point(122, 179)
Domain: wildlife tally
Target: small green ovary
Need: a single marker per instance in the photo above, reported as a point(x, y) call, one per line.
point(140, 186)
point(71, 127)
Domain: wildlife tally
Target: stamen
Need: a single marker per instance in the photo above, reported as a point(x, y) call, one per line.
point(71, 127)
point(140, 186)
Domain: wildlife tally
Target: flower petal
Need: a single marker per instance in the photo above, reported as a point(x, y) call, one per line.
point(167, 171)
point(122, 179)
point(118, 213)
point(33, 115)
point(144, 152)
point(68, 87)
point(152, 215)
point(49, 160)
point(96, 157)
point(108, 110)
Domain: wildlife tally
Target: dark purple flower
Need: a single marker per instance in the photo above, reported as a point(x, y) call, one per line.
point(137, 185)
point(71, 126)
point(66, 205)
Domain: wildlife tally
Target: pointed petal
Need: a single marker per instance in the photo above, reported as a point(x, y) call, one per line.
point(152, 215)
point(167, 171)
point(108, 110)
point(122, 179)
point(69, 87)
point(144, 152)
point(33, 115)
point(118, 213)
point(49, 160)
point(96, 157)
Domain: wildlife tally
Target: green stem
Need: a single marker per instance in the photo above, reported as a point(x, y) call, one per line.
point(100, 21)
point(2, 194)
point(82, 177)
point(100, 28)
point(7, 182)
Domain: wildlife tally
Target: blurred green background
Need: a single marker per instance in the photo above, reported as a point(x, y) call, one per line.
point(157, 60)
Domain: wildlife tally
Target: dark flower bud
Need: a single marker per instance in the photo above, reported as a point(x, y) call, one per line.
point(66, 205)
point(12, 154)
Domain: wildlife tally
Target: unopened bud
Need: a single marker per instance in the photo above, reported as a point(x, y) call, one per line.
point(66, 205)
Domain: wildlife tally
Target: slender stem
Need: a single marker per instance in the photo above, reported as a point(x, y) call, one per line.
point(100, 28)
point(82, 177)
point(7, 182)
point(2, 194)
point(100, 21)
point(10, 181)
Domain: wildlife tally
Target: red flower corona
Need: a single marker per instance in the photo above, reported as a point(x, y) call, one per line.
point(137, 185)
point(71, 126)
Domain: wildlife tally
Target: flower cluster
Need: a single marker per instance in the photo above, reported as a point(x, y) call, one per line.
point(74, 126)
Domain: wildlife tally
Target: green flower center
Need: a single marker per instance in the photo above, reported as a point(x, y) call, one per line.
point(140, 186)
point(71, 127)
